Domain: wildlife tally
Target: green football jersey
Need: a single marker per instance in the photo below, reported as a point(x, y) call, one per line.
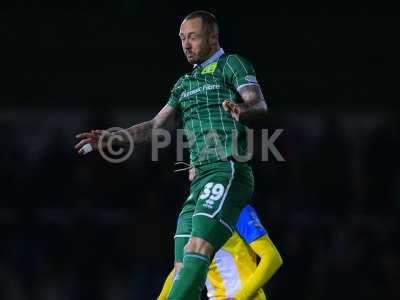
point(212, 133)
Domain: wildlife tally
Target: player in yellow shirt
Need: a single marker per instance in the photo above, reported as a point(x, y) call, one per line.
point(234, 272)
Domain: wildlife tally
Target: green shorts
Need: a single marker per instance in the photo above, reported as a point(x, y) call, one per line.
point(218, 193)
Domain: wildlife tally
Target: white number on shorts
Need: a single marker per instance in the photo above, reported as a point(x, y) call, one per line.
point(216, 191)
point(206, 191)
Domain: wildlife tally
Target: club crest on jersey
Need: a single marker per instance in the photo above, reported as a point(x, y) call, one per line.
point(209, 69)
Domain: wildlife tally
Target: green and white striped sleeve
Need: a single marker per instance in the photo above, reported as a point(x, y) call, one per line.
point(241, 72)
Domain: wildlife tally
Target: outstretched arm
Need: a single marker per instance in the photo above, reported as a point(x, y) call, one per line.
point(142, 132)
point(139, 133)
point(253, 107)
point(270, 261)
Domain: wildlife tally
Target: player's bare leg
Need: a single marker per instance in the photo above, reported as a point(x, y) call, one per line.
point(199, 245)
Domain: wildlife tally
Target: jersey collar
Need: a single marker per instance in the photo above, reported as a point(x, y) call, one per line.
point(217, 54)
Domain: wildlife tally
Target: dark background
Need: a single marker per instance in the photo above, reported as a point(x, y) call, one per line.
point(82, 228)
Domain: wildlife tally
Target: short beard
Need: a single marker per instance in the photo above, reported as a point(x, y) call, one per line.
point(204, 55)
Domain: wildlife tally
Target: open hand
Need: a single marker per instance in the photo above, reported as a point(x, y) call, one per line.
point(233, 108)
point(89, 141)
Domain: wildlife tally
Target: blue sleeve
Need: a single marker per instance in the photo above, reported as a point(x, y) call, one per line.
point(249, 226)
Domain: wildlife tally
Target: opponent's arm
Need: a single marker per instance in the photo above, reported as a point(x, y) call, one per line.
point(253, 107)
point(139, 133)
point(270, 261)
point(167, 286)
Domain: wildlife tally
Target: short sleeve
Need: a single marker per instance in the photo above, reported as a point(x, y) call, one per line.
point(241, 71)
point(249, 226)
point(175, 94)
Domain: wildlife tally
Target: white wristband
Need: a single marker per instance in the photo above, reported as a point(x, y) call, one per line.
point(87, 148)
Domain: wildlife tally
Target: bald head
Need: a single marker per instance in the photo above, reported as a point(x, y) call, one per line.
point(199, 36)
point(209, 21)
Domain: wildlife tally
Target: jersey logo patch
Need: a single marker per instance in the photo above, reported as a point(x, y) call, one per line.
point(209, 69)
point(255, 223)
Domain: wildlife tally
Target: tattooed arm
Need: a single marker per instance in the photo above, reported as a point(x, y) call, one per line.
point(142, 132)
point(139, 133)
point(253, 107)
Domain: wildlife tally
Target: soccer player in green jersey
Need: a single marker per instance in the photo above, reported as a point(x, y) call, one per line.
point(213, 102)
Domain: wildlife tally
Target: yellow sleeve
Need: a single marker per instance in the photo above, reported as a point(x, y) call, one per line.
point(167, 286)
point(270, 261)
